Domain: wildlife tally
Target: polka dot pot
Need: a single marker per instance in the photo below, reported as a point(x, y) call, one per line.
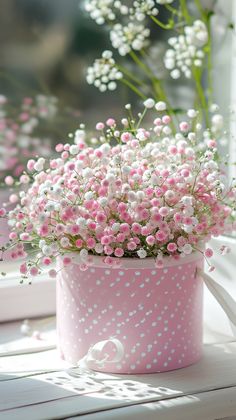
point(156, 314)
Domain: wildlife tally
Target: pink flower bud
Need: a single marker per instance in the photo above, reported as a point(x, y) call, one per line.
point(110, 122)
point(208, 252)
point(30, 165)
point(100, 126)
point(59, 148)
point(2, 212)
point(184, 126)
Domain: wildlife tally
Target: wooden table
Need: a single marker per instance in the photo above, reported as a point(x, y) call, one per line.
point(39, 386)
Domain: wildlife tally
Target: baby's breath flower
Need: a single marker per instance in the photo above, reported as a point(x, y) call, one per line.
point(160, 106)
point(133, 36)
point(186, 50)
point(100, 10)
point(104, 73)
point(142, 253)
point(141, 8)
point(149, 103)
point(137, 196)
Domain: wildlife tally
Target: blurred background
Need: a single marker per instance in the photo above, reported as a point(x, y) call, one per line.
point(46, 47)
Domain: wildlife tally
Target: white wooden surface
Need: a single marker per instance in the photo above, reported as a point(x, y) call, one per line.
point(39, 386)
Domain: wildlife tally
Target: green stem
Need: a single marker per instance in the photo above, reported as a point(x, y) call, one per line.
point(184, 10)
point(129, 74)
point(207, 19)
point(166, 26)
point(159, 93)
point(201, 94)
point(133, 88)
point(209, 64)
point(141, 118)
point(142, 65)
point(172, 9)
point(199, 7)
point(155, 82)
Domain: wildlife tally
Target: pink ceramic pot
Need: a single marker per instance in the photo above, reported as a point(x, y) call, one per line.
point(154, 314)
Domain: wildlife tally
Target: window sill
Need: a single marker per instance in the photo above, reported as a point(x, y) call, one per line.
point(20, 301)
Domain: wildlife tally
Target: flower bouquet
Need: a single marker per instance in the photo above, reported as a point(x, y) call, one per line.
point(127, 222)
point(122, 217)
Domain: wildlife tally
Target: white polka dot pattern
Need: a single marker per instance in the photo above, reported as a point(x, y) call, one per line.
point(155, 313)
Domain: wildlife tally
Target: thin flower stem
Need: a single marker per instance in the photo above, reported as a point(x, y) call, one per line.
point(148, 72)
point(207, 19)
point(209, 64)
point(158, 90)
point(201, 94)
point(155, 82)
point(199, 7)
point(133, 88)
point(172, 9)
point(184, 9)
point(129, 74)
point(166, 26)
point(142, 65)
point(141, 118)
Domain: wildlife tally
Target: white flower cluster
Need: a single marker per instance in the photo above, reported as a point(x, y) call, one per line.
point(104, 73)
point(106, 10)
point(142, 8)
point(186, 50)
point(100, 10)
point(132, 36)
point(197, 34)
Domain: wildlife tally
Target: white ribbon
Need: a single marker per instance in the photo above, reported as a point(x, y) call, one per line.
point(92, 359)
point(227, 303)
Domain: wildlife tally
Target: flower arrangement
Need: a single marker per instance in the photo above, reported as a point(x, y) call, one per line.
point(121, 210)
point(141, 192)
point(154, 188)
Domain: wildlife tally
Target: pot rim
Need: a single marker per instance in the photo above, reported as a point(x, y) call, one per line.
point(138, 263)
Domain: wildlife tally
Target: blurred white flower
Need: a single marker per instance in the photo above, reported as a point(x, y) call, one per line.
point(104, 73)
point(100, 10)
point(142, 8)
point(130, 37)
point(186, 50)
point(196, 34)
